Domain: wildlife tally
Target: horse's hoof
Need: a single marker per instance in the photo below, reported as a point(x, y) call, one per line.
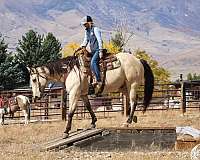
point(93, 125)
point(65, 136)
point(143, 112)
point(125, 124)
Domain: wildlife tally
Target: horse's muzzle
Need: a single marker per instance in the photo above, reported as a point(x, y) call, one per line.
point(36, 98)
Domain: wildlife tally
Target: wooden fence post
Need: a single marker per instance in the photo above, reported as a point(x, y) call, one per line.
point(183, 98)
point(64, 104)
point(47, 105)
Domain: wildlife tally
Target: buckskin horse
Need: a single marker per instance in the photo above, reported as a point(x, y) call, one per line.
point(125, 78)
point(16, 103)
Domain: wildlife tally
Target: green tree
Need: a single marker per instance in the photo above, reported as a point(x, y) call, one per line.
point(35, 50)
point(118, 41)
point(11, 72)
point(160, 73)
point(193, 76)
point(51, 48)
point(189, 76)
point(29, 49)
point(3, 50)
point(12, 75)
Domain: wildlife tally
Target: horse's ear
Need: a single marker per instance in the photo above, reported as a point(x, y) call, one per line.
point(29, 69)
point(32, 70)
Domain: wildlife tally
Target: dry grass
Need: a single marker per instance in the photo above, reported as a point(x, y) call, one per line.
point(19, 142)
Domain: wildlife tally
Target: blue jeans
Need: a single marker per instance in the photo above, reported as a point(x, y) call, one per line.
point(95, 65)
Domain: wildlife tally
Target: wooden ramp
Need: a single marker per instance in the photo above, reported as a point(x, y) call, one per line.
point(117, 138)
point(131, 139)
point(74, 137)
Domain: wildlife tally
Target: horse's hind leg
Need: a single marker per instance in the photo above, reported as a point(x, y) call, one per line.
point(133, 103)
point(89, 108)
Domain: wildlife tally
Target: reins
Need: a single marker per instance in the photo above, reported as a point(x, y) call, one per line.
point(72, 61)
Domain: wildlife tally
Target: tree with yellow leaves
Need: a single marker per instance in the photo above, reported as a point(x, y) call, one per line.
point(111, 48)
point(160, 73)
point(69, 49)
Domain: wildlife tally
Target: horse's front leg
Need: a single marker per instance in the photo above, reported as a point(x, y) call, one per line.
point(2, 118)
point(89, 108)
point(73, 98)
point(25, 116)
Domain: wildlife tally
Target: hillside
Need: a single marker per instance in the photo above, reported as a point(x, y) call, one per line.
point(166, 29)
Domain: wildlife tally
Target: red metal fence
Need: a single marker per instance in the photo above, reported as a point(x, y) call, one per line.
point(165, 97)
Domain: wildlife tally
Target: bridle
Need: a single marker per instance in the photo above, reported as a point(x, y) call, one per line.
point(39, 75)
point(39, 84)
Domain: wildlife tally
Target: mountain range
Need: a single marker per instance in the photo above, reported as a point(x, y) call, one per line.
point(168, 30)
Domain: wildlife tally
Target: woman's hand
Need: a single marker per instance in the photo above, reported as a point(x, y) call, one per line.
point(101, 54)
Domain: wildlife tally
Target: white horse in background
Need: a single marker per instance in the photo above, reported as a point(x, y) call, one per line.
point(21, 103)
point(126, 79)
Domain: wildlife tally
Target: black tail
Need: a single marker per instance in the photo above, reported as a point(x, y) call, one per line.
point(148, 84)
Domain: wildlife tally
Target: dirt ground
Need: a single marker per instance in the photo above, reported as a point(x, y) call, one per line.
point(19, 142)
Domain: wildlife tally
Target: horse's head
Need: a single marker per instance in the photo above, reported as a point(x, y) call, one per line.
point(38, 80)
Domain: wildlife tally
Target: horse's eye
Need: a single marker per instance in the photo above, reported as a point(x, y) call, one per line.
point(34, 80)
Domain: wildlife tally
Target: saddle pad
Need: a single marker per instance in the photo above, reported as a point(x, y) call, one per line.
point(110, 63)
point(14, 108)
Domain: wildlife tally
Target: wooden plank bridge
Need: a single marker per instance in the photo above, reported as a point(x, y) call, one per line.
point(116, 138)
point(74, 137)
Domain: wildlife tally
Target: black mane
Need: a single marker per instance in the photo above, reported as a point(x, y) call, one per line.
point(63, 65)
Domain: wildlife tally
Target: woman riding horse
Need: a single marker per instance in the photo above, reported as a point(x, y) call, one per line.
point(93, 36)
point(126, 79)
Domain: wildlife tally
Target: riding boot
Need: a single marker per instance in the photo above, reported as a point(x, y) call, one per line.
point(99, 88)
point(91, 89)
point(99, 85)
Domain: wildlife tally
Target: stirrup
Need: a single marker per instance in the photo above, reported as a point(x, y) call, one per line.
point(99, 89)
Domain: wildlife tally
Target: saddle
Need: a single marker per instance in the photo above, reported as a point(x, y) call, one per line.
point(108, 62)
point(10, 105)
point(13, 105)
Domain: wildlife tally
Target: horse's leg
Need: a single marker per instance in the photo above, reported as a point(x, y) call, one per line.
point(12, 115)
point(133, 103)
point(89, 108)
point(1, 117)
point(73, 98)
point(29, 112)
point(25, 116)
